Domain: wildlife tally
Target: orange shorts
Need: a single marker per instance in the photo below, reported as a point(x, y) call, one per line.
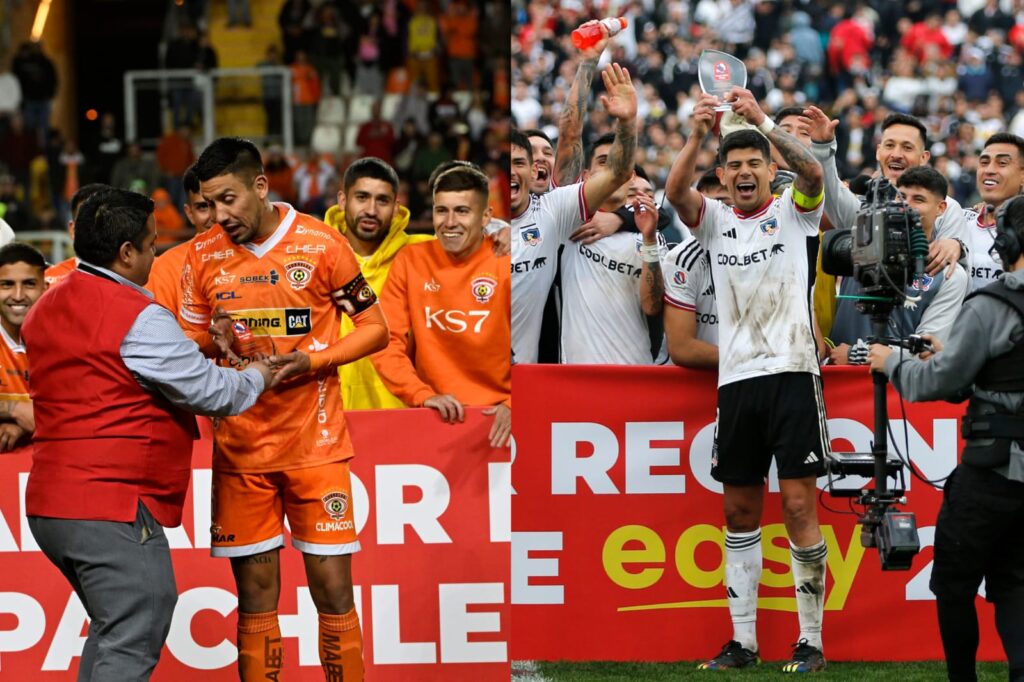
point(249, 511)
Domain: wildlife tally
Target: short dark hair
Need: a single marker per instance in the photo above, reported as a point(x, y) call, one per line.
point(1008, 138)
point(1014, 214)
point(19, 252)
point(446, 166)
point(190, 181)
point(641, 172)
point(925, 177)
point(107, 220)
point(535, 132)
point(907, 120)
point(744, 139)
point(229, 155)
point(370, 167)
point(709, 180)
point(517, 138)
point(786, 112)
point(83, 193)
point(607, 138)
point(461, 179)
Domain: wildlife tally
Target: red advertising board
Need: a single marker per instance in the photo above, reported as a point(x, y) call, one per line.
point(432, 582)
point(618, 528)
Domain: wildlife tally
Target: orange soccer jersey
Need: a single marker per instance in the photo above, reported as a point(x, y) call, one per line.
point(165, 277)
point(13, 369)
point(287, 287)
point(454, 316)
point(55, 274)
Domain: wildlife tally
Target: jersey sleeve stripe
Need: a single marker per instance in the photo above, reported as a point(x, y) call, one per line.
point(686, 252)
point(585, 213)
point(679, 304)
point(693, 258)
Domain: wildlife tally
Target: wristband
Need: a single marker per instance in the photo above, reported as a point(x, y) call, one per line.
point(766, 126)
point(649, 253)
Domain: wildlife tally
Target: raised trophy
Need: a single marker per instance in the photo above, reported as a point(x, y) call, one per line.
point(718, 73)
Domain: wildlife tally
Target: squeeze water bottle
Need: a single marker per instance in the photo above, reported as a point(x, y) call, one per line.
point(587, 36)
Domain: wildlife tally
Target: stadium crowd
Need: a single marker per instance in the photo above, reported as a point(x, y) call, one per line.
point(840, 100)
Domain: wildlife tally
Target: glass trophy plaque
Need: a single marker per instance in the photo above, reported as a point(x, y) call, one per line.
point(719, 73)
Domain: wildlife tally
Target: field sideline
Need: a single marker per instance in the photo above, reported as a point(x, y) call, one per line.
point(562, 671)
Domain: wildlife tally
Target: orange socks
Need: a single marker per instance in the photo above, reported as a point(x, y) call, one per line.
point(260, 655)
point(341, 647)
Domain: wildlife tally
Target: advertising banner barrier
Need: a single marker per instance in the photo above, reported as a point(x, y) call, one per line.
point(432, 580)
point(618, 531)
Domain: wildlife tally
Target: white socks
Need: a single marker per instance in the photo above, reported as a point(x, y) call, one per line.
point(742, 576)
point(809, 579)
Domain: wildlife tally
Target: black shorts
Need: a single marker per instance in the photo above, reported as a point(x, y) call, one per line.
point(978, 536)
point(778, 415)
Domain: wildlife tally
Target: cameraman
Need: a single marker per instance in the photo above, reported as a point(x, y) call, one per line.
point(923, 189)
point(978, 531)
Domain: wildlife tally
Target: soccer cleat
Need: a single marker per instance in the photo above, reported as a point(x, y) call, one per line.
point(733, 657)
point(806, 659)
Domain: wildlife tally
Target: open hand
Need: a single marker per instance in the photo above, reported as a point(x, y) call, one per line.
point(620, 98)
point(645, 213)
point(822, 128)
point(744, 104)
point(603, 224)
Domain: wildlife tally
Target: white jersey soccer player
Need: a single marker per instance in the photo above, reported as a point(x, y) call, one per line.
point(984, 268)
point(689, 286)
point(536, 235)
point(765, 260)
point(602, 320)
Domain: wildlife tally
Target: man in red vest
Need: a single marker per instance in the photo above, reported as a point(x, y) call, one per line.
point(114, 387)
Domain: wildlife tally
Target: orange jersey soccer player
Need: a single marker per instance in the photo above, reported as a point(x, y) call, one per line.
point(285, 276)
point(447, 304)
point(165, 277)
point(21, 285)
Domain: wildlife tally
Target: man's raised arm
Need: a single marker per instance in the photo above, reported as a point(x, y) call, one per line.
point(679, 187)
point(620, 103)
point(569, 155)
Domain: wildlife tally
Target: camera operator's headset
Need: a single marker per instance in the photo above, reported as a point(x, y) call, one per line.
point(1008, 240)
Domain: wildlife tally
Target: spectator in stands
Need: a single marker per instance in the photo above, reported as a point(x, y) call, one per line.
point(370, 217)
point(305, 97)
point(174, 154)
point(107, 150)
point(38, 79)
point(976, 79)
point(135, 171)
point(311, 180)
point(807, 43)
point(183, 53)
point(238, 13)
point(925, 35)
point(369, 73)
point(991, 16)
point(14, 210)
point(170, 225)
point(443, 113)
point(376, 137)
point(271, 87)
point(422, 61)
point(431, 361)
point(69, 165)
point(295, 20)
point(280, 174)
point(848, 47)
point(10, 97)
point(413, 106)
point(330, 47)
point(459, 27)
point(18, 147)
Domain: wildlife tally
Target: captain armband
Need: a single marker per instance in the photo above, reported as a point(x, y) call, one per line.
point(354, 297)
point(805, 202)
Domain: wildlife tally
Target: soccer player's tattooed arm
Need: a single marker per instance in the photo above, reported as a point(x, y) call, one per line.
point(569, 155)
point(679, 187)
point(810, 178)
point(620, 103)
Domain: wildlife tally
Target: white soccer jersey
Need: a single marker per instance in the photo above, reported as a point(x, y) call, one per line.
point(984, 268)
point(602, 321)
point(763, 264)
point(688, 285)
point(536, 235)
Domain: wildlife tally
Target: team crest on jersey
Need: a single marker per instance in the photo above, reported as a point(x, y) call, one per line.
point(770, 226)
point(679, 277)
point(531, 235)
point(298, 273)
point(922, 283)
point(483, 287)
point(336, 504)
